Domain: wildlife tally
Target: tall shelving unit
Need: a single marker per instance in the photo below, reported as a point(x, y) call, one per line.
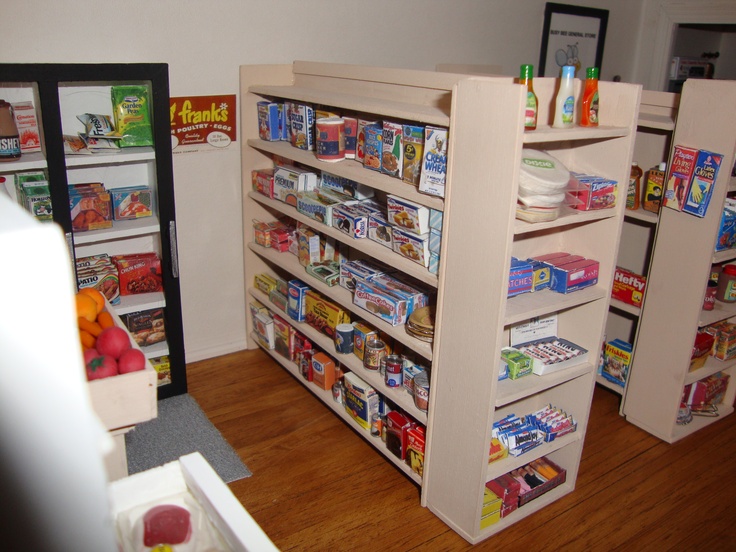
point(479, 236)
point(680, 266)
point(59, 93)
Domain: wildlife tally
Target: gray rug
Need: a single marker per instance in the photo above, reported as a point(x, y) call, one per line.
point(181, 428)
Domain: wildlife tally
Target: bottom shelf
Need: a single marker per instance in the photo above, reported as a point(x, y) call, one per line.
point(681, 431)
point(609, 385)
point(326, 397)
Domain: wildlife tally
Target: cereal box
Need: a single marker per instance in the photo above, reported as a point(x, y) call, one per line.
point(413, 143)
point(300, 119)
point(702, 182)
point(270, 121)
point(360, 139)
point(288, 181)
point(678, 180)
point(392, 159)
point(434, 161)
point(373, 147)
point(407, 215)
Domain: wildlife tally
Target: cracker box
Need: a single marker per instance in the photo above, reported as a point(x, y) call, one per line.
point(628, 287)
point(265, 283)
point(379, 230)
point(702, 182)
point(413, 143)
point(392, 160)
point(573, 276)
point(323, 315)
point(270, 120)
point(300, 119)
point(288, 181)
point(345, 186)
point(678, 179)
point(381, 302)
point(262, 180)
point(412, 246)
point(434, 161)
point(323, 371)
point(283, 337)
point(296, 304)
point(407, 215)
point(362, 333)
point(360, 399)
point(350, 220)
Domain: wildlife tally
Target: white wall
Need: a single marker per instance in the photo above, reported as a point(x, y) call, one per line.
point(205, 42)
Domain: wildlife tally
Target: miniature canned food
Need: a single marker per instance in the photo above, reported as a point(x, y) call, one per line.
point(344, 338)
point(375, 350)
point(421, 391)
point(393, 375)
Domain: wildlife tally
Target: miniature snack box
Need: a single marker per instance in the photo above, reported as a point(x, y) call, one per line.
point(288, 181)
point(407, 215)
point(345, 186)
point(412, 246)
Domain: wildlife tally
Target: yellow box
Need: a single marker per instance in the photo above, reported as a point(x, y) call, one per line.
point(323, 315)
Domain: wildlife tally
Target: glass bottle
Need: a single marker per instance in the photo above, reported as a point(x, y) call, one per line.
point(9, 138)
point(565, 101)
point(589, 112)
point(530, 112)
point(633, 194)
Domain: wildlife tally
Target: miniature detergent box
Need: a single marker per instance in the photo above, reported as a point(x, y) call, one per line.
point(702, 183)
point(628, 287)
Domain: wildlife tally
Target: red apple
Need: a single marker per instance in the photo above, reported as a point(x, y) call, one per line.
point(131, 360)
point(113, 341)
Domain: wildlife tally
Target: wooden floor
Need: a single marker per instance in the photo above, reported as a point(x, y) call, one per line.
point(317, 485)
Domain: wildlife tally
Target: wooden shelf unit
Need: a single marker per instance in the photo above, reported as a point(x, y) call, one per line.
point(680, 265)
point(480, 234)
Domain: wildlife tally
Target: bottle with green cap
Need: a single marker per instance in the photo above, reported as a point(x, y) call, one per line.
point(530, 111)
point(589, 115)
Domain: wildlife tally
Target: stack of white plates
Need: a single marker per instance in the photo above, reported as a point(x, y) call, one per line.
point(543, 183)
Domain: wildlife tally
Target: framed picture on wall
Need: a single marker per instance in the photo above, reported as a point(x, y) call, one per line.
point(572, 35)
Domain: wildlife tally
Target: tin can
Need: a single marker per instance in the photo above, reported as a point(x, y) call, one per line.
point(421, 391)
point(375, 350)
point(344, 338)
point(337, 392)
point(330, 138)
point(376, 425)
point(393, 377)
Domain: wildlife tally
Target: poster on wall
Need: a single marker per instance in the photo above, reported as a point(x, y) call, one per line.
point(572, 35)
point(201, 123)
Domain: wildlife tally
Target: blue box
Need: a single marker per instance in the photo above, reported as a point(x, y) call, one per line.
point(296, 302)
point(521, 277)
point(727, 230)
point(271, 125)
point(702, 183)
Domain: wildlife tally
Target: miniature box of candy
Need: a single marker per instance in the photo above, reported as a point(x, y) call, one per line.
point(317, 206)
point(521, 277)
point(379, 230)
point(552, 354)
point(517, 434)
point(552, 422)
point(574, 276)
point(628, 287)
point(514, 363)
point(491, 510)
point(547, 473)
point(325, 271)
point(352, 271)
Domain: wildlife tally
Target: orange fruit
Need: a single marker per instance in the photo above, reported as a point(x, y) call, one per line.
point(96, 295)
point(86, 306)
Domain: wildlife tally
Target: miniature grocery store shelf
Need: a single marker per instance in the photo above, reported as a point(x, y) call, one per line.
point(353, 170)
point(369, 247)
point(326, 397)
point(567, 217)
point(120, 229)
point(530, 305)
point(545, 133)
point(126, 155)
point(398, 396)
point(641, 214)
point(721, 311)
point(27, 162)
point(712, 366)
point(511, 390)
point(609, 385)
point(652, 120)
point(139, 302)
point(385, 108)
point(290, 262)
point(620, 305)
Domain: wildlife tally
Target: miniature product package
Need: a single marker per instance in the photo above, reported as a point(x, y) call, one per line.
point(361, 400)
point(25, 120)
point(680, 175)
point(392, 160)
point(701, 185)
point(131, 111)
point(628, 287)
point(434, 161)
point(413, 142)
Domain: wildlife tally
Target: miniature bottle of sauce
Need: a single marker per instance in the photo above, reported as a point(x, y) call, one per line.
point(530, 112)
point(589, 112)
point(565, 100)
point(633, 193)
point(726, 291)
point(9, 138)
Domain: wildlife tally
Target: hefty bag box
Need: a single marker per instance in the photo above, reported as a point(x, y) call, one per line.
point(701, 185)
point(628, 287)
point(678, 181)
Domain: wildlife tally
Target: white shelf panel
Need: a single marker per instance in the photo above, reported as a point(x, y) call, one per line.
point(721, 311)
point(545, 133)
point(398, 396)
point(27, 162)
point(642, 215)
point(139, 302)
point(326, 397)
point(505, 465)
point(120, 229)
point(652, 120)
point(513, 390)
point(620, 305)
point(125, 155)
point(342, 296)
point(699, 422)
point(369, 247)
point(385, 108)
point(528, 305)
point(712, 366)
point(609, 385)
point(156, 350)
point(351, 169)
point(568, 217)
point(724, 256)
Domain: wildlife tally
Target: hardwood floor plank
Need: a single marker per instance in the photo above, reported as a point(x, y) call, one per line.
point(317, 485)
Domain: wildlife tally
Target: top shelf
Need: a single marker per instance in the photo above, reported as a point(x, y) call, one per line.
point(431, 115)
point(545, 133)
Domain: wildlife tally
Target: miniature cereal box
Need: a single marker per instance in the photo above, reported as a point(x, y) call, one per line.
point(434, 161)
point(628, 287)
point(701, 185)
point(413, 153)
point(270, 121)
point(678, 180)
point(393, 149)
point(300, 119)
point(361, 400)
point(373, 147)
